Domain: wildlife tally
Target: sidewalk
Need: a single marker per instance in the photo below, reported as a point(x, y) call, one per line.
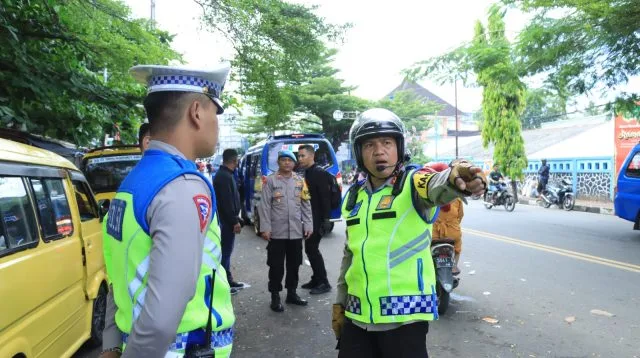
point(589, 206)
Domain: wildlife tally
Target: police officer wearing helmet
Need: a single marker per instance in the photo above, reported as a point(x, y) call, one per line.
point(162, 238)
point(387, 287)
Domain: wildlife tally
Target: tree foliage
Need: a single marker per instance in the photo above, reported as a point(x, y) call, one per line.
point(52, 60)
point(488, 59)
point(414, 112)
point(542, 106)
point(581, 43)
point(277, 44)
point(503, 95)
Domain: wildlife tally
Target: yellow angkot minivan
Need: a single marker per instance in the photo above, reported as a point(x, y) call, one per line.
point(53, 285)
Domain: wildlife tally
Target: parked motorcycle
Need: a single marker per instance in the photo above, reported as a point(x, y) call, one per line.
point(500, 196)
point(561, 195)
point(443, 254)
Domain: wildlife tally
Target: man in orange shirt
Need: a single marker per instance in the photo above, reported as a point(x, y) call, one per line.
point(447, 226)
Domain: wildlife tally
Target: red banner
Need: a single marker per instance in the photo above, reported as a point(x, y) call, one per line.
point(627, 135)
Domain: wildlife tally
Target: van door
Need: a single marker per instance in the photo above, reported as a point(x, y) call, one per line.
point(90, 231)
point(628, 200)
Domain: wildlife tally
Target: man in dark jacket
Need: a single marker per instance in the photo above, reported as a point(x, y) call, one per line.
point(228, 201)
point(543, 177)
point(320, 189)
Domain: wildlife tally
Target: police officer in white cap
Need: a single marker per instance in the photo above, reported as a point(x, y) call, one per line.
point(162, 238)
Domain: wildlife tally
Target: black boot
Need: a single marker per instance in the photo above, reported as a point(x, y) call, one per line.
point(275, 302)
point(293, 298)
point(309, 285)
point(321, 288)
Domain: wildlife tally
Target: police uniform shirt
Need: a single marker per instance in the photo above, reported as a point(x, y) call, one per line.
point(174, 267)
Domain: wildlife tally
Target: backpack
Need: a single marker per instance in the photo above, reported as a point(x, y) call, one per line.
point(335, 191)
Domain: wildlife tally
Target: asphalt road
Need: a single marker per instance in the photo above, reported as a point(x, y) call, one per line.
point(540, 273)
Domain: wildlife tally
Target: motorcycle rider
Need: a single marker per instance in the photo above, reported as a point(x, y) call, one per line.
point(543, 177)
point(494, 181)
point(389, 213)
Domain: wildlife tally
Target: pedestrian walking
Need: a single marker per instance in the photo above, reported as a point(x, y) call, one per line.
point(285, 219)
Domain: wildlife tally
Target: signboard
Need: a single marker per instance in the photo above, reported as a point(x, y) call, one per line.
point(115, 158)
point(627, 135)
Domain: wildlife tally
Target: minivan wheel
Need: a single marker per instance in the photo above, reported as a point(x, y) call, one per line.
point(98, 316)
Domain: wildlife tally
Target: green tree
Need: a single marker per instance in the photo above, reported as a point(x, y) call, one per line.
point(51, 65)
point(581, 43)
point(414, 112)
point(542, 106)
point(277, 45)
point(593, 109)
point(314, 100)
point(489, 57)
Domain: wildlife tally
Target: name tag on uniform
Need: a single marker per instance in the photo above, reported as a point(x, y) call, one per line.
point(116, 218)
point(385, 202)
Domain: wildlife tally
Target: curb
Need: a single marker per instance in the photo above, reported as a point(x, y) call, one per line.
point(582, 208)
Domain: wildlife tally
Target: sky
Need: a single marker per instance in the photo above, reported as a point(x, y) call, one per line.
point(386, 37)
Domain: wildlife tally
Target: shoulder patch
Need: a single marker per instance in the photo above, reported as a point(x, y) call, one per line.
point(203, 205)
point(420, 179)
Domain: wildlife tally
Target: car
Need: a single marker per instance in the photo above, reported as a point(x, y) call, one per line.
point(106, 168)
point(261, 160)
point(627, 197)
point(54, 283)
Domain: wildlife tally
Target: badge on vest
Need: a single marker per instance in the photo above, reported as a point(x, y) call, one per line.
point(116, 218)
point(355, 209)
point(385, 202)
point(203, 204)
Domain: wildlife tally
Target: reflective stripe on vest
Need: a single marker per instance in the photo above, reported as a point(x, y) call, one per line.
point(391, 278)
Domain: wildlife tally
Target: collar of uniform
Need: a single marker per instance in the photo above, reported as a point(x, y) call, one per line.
point(369, 188)
point(280, 176)
point(165, 147)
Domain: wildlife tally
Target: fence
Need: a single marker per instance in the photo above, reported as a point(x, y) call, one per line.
point(592, 177)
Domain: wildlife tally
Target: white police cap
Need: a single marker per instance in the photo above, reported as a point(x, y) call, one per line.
point(184, 79)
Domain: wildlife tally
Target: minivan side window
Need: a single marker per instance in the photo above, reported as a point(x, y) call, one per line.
point(86, 205)
point(633, 170)
point(17, 218)
point(53, 208)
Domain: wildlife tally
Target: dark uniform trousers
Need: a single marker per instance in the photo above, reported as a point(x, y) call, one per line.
point(277, 251)
point(407, 341)
point(312, 248)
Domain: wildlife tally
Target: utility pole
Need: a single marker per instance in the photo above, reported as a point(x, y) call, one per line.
point(153, 12)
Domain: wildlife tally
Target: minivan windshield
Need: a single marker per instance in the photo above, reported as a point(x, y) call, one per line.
point(323, 152)
point(105, 174)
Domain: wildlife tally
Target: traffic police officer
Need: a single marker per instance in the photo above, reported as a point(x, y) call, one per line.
point(162, 238)
point(387, 287)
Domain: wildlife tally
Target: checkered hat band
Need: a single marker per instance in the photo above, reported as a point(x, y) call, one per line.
point(184, 83)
